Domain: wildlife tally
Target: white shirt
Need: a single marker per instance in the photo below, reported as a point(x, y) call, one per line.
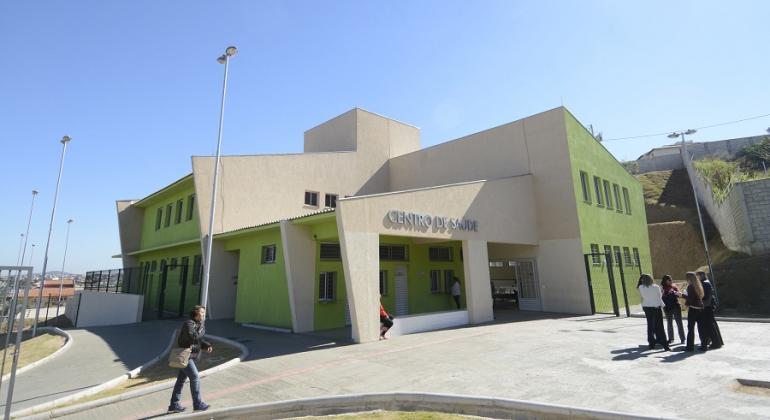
point(456, 289)
point(651, 296)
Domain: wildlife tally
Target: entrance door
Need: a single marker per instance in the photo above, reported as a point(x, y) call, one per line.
point(529, 286)
point(402, 291)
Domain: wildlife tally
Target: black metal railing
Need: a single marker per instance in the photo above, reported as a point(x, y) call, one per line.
point(119, 280)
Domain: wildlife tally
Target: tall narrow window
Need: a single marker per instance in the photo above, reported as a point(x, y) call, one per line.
point(268, 254)
point(185, 270)
point(383, 283)
point(618, 256)
point(608, 194)
point(331, 200)
point(598, 191)
point(636, 257)
point(196, 270)
point(311, 198)
point(435, 281)
point(178, 215)
point(608, 251)
point(326, 286)
point(169, 210)
point(190, 206)
point(158, 218)
point(448, 276)
point(627, 200)
point(618, 203)
point(596, 257)
point(584, 186)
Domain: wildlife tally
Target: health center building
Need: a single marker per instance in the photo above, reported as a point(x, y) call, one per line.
point(316, 240)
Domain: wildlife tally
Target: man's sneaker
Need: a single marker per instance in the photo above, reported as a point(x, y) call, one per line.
point(176, 408)
point(202, 407)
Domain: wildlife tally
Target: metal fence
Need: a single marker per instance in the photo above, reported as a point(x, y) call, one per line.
point(609, 281)
point(169, 290)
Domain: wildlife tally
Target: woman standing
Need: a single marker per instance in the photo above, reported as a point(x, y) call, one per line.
point(672, 309)
point(191, 336)
point(652, 304)
point(694, 302)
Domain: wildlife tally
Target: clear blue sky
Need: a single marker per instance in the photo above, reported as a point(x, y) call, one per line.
point(136, 85)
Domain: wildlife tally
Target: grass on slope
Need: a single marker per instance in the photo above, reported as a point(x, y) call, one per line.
point(32, 349)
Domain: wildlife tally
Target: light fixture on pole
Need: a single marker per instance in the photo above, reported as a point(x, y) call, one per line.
point(686, 155)
point(64, 141)
point(61, 273)
point(223, 59)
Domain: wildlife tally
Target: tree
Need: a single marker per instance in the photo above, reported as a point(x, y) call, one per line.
point(754, 155)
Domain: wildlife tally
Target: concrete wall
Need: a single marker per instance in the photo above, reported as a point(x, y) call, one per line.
point(93, 309)
point(665, 160)
point(299, 246)
point(130, 230)
point(410, 324)
point(757, 196)
point(660, 163)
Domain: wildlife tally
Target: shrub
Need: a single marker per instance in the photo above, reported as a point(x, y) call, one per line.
point(721, 175)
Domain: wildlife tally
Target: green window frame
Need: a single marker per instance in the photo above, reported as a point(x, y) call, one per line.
point(179, 208)
point(169, 209)
point(329, 251)
point(440, 254)
point(618, 255)
point(327, 287)
point(627, 257)
point(608, 251)
point(596, 257)
point(618, 203)
point(268, 254)
point(190, 206)
point(158, 218)
point(627, 200)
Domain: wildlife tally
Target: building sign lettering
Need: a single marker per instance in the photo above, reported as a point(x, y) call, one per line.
point(418, 220)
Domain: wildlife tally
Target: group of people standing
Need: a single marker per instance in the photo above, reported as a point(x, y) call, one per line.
point(701, 301)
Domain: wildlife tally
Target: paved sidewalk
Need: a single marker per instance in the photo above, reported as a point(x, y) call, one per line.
point(594, 362)
point(97, 355)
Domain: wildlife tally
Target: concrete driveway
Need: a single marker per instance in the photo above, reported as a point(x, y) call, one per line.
point(595, 362)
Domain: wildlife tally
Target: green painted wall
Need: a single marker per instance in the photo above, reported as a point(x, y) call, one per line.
point(183, 231)
point(332, 314)
point(153, 282)
point(603, 226)
point(262, 295)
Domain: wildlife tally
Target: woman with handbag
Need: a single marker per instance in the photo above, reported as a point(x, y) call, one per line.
point(189, 344)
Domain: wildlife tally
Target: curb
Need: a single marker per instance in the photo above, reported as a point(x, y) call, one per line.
point(754, 383)
point(131, 394)
point(497, 408)
point(68, 340)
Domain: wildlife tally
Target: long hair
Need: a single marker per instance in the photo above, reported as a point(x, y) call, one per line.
point(693, 281)
point(645, 280)
point(666, 282)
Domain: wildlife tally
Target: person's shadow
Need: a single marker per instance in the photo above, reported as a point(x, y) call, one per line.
point(631, 353)
point(677, 354)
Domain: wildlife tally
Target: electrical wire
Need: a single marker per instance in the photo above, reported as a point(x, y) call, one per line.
point(696, 128)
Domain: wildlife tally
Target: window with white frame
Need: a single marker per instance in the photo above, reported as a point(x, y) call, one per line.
point(326, 286)
point(618, 255)
point(330, 251)
point(268, 254)
point(383, 283)
point(311, 198)
point(618, 203)
point(331, 200)
point(608, 251)
point(435, 281)
point(596, 257)
point(440, 253)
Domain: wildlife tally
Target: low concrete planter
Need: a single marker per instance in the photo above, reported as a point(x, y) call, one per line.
point(496, 408)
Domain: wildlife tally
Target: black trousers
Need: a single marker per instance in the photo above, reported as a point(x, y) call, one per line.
point(457, 300)
point(655, 331)
point(672, 314)
point(694, 320)
point(711, 328)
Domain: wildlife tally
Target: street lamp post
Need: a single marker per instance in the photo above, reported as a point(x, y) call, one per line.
point(15, 296)
point(64, 141)
point(21, 247)
point(223, 59)
point(685, 155)
point(61, 278)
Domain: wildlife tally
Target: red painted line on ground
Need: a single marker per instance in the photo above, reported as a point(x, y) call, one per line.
point(295, 372)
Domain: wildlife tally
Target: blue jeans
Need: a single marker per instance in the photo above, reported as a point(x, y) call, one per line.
point(191, 372)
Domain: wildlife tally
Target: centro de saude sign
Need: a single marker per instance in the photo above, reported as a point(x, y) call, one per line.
point(400, 217)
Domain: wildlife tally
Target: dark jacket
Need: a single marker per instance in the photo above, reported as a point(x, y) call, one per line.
point(191, 336)
point(707, 293)
point(671, 297)
point(692, 299)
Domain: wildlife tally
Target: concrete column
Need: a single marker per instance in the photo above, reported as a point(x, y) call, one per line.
point(361, 261)
point(478, 292)
point(299, 257)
